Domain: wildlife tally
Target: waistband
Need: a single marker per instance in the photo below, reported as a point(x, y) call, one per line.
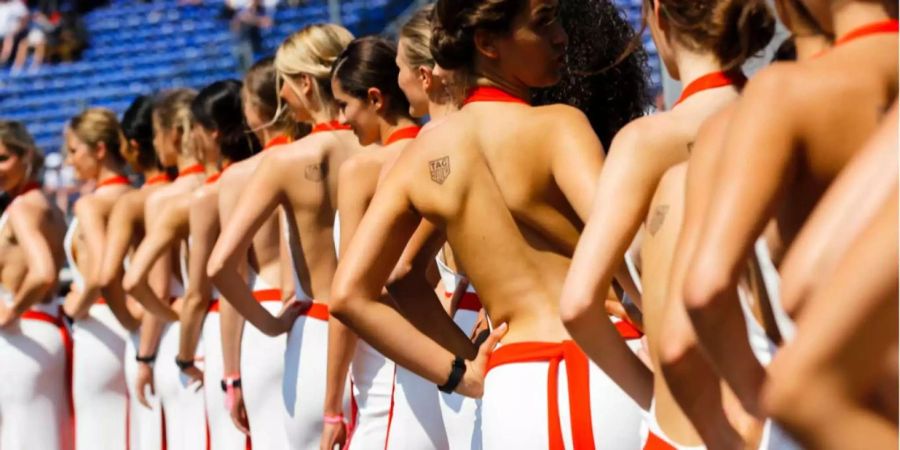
point(578, 378)
point(628, 330)
point(469, 301)
point(265, 295)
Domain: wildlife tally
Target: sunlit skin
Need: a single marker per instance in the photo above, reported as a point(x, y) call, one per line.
point(31, 250)
point(93, 213)
point(783, 110)
point(536, 195)
point(816, 388)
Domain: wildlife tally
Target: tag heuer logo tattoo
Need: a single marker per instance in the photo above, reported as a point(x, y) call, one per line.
point(440, 169)
point(316, 172)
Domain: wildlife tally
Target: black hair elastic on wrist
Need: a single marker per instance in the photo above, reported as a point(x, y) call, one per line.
point(456, 375)
point(145, 359)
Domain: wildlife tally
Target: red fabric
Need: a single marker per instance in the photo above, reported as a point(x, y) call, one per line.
point(578, 377)
point(883, 27)
point(469, 302)
point(190, 170)
point(628, 331)
point(403, 133)
point(387, 436)
point(712, 81)
point(491, 94)
point(654, 442)
point(281, 139)
point(334, 125)
point(157, 179)
point(265, 295)
point(67, 343)
point(118, 179)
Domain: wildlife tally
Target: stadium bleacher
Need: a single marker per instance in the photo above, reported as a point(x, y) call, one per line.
point(138, 48)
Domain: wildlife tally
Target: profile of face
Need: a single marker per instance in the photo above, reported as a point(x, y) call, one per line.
point(360, 114)
point(293, 90)
point(13, 169)
point(533, 52)
point(251, 112)
point(167, 143)
point(413, 81)
point(206, 143)
point(661, 37)
point(85, 161)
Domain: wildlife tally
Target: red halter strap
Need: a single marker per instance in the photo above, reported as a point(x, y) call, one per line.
point(277, 140)
point(883, 27)
point(190, 170)
point(215, 177)
point(712, 81)
point(27, 187)
point(334, 125)
point(114, 180)
point(404, 133)
point(157, 179)
point(492, 94)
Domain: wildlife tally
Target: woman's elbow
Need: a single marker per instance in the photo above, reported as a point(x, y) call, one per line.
point(704, 286)
point(44, 280)
point(131, 281)
point(574, 308)
point(216, 266)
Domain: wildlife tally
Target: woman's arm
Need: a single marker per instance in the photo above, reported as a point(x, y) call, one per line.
point(30, 228)
point(622, 197)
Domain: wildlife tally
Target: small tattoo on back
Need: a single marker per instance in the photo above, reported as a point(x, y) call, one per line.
point(657, 219)
point(316, 172)
point(440, 169)
point(690, 147)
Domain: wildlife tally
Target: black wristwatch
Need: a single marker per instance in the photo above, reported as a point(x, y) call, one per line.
point(184, 364)
point(145, 359)
point(456, 375)
point(230, 382)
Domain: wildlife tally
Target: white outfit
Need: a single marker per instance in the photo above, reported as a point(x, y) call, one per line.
point(372, 381)
point(262, 372)
point(517, 401)
point(772, 281)
point(223, 435)
point(99, 387)
point(461, 414)
point(144, 425)
point(655, 431)
point(35, 395)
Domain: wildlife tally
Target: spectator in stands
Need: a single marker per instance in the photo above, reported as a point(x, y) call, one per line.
point(69, 39)
point(39, 27)
point(13, 26)
point(246, 26)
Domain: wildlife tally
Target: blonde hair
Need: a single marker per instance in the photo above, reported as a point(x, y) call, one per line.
point(417, 35)
point(173, 113)
point(18, 141)
point(312, 51)
point(96, 125)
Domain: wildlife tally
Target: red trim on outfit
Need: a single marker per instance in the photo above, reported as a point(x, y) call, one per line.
point(883, 27)
point(281, 139)
point(190, 170)
point(333, 125)
point(404, 133)
point(712, 81)
point(654, 442)
point(111, 181)
point(67, 343)
point(157, 179)
point(492, 94)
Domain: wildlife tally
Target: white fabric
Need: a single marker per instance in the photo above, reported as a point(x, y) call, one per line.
point(772, 281)
point(145, 425)
point(372, 376)
point(69, 248)
point(182, 403)
point(652, 426)
point(99, 387)
point(461, 414)
point(303, 385)
point(514, 409)
point(223, 435)
point(448, 276)
point(11, 13)
point(34, 397)
point(416, 422)
point(262, 372)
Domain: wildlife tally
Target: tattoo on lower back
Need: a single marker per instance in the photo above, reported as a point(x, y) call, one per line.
point(440, 169)
point(657, 219)
point(316, 172)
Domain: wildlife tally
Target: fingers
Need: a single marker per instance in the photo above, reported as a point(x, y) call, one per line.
point(142, 398)
point(488, 346)
point(239, 417)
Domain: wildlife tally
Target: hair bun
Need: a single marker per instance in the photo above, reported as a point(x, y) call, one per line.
point(747, 28)
point(452, 50)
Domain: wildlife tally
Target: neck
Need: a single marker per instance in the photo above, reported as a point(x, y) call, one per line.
point(518, 89)
point(267, 134)
point(810, 45)
point(323, 115)
point(692, 66)
point(186, 161)
point(849, 15)
point(388, 127)
point(107, 172)
point(439, 110)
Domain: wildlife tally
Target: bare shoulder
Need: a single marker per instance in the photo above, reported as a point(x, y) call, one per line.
point(208, 193)
point(241, 171)
point(32, 206)
point(130, 201)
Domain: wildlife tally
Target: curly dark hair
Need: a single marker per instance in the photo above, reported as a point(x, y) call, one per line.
point(606, 68)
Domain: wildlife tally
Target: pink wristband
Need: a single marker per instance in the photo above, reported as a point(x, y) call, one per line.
point(333, 419)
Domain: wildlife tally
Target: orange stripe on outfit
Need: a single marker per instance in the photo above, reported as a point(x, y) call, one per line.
point(157, 179)
point(578, 377)
point(277, 140)
point(469, 301)
point(628, 330)
point(403, 133)
point(67, 343)
point(190, 170)
point(712, 81)
point(654, 442)
point(334, 125)
point(891, 26)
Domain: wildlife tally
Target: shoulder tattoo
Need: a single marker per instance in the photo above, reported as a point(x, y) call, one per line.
point(440, 169)
point(690, 147)
point(316, 172)
point(657, 219)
